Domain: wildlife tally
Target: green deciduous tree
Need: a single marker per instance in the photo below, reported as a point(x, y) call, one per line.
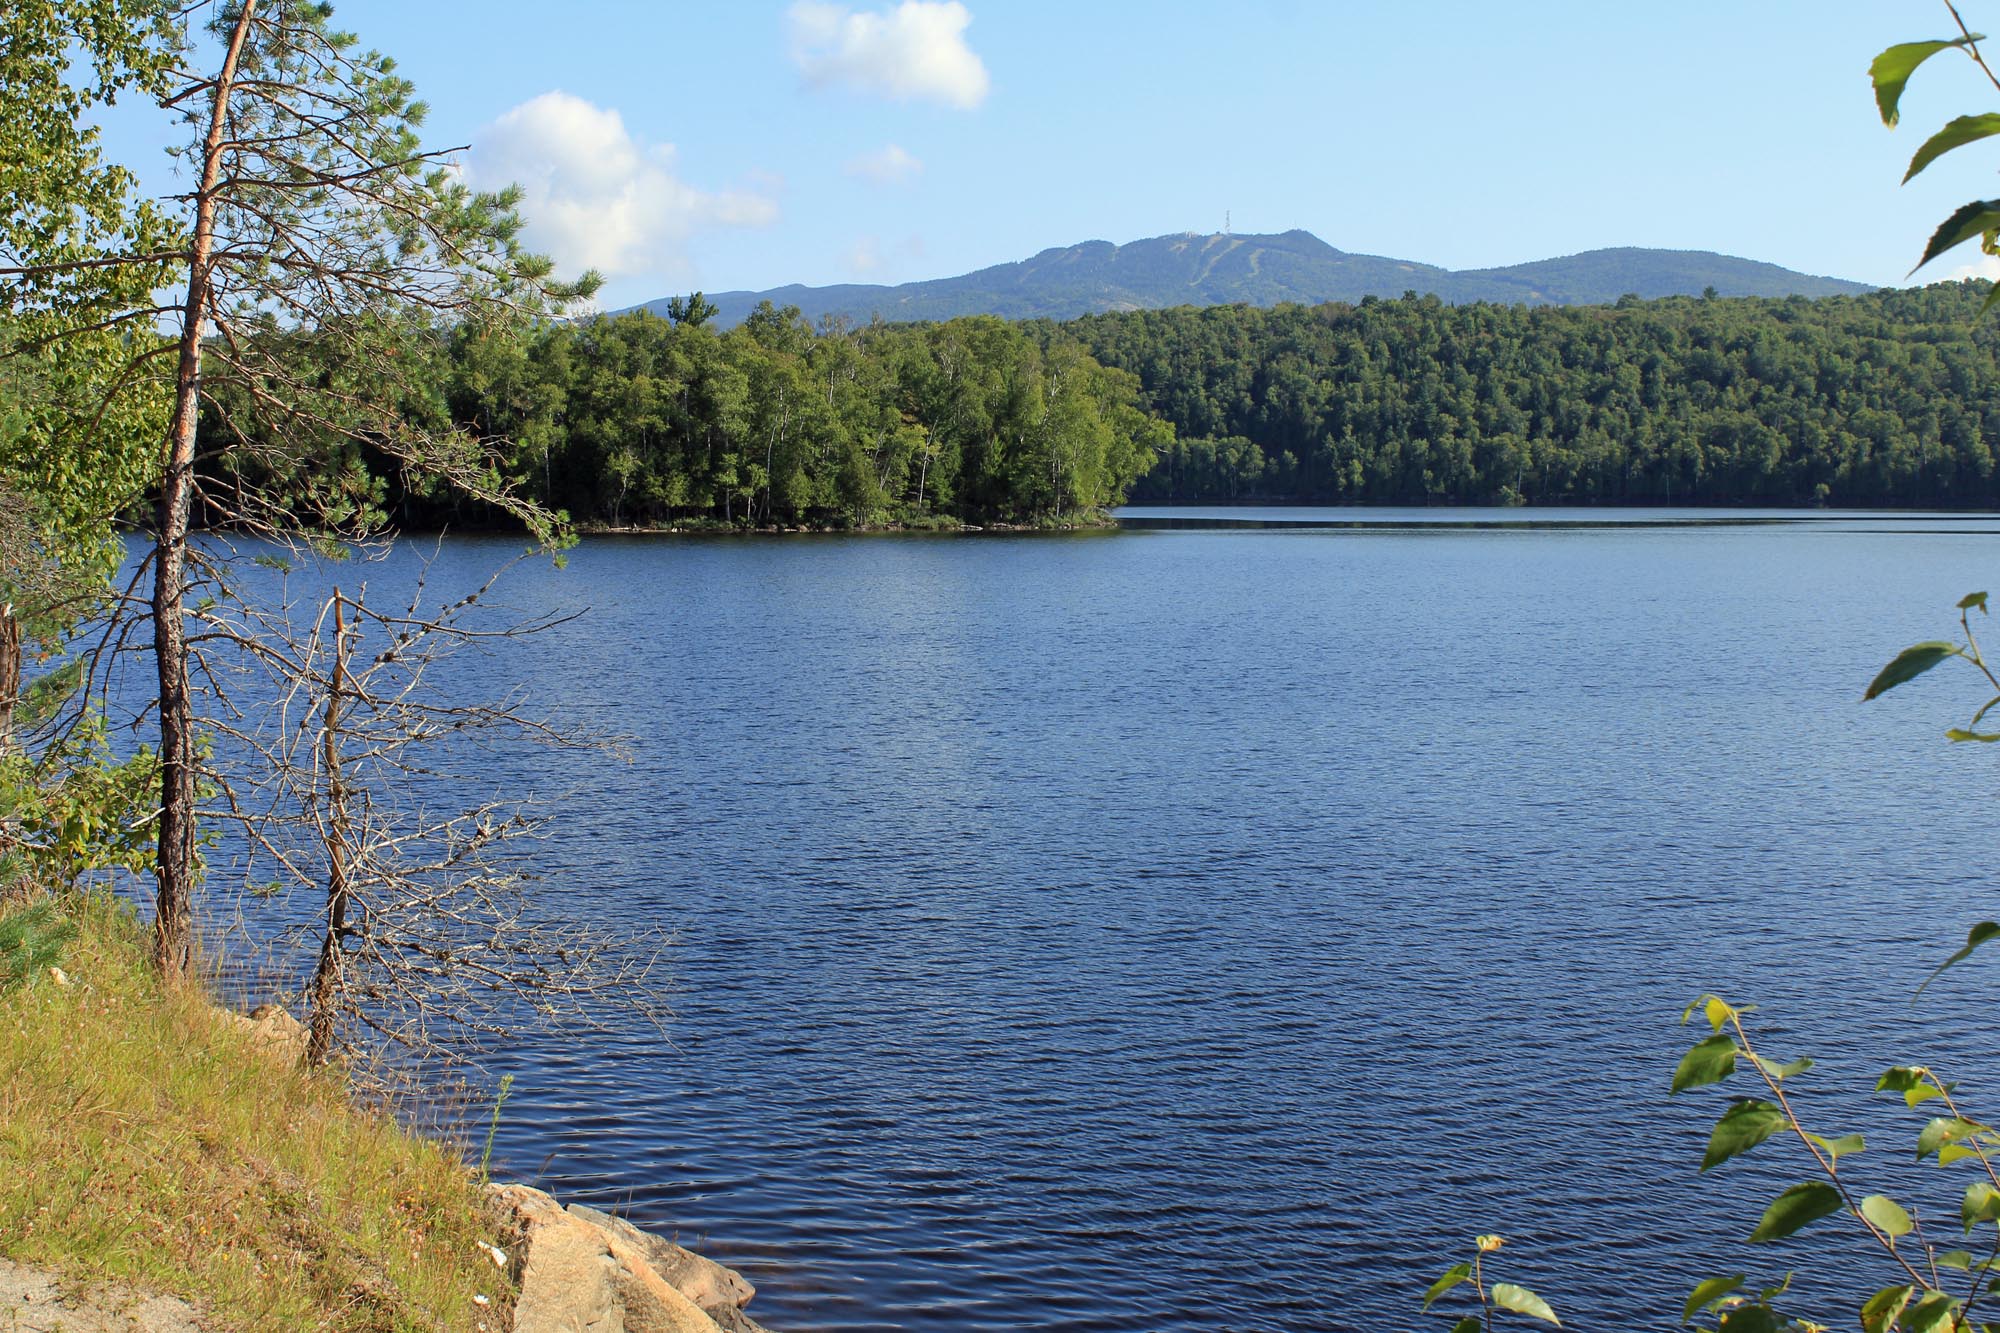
point(322, 257)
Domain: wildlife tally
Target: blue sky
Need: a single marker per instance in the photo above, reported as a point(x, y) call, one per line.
point(703, 143)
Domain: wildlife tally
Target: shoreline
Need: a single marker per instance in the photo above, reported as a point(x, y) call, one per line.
point(1098, 521)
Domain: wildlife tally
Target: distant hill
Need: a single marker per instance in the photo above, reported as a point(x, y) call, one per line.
point(1186, 269)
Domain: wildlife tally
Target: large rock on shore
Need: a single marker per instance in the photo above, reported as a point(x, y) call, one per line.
point(273, 1031)
point(582, 1271)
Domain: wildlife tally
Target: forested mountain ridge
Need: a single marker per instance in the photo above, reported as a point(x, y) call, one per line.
point(1889, 399)
point(1296, 266)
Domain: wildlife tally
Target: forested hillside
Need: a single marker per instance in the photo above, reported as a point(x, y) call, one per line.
point(1891, 398)
point(638, 420)
point(1888, 399)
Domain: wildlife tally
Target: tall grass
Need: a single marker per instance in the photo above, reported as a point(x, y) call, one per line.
point(144, 1138)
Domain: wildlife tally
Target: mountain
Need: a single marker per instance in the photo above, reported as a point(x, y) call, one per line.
point(1265, 270)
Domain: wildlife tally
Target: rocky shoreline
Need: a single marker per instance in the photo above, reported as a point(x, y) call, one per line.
point(578, 1270)
point(574, 1269)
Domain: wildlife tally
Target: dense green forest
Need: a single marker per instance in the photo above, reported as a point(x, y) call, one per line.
point(1891, 398)
point(641, 420)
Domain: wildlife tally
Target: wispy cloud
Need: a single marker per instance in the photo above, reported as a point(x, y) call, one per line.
point(1985, 266)
point(867, 258)
point(916, 49)
point(593, 196)
point(864, 257)
point(891, 165)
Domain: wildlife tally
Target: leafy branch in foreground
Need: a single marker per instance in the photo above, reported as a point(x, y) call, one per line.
point(1914, 661)
point(1890, 73)
point(1492, 1299)
point(1934, 1289)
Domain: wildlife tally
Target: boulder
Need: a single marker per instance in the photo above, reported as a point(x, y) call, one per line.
point(703, 1281)
point(582, 1271)
point(274, 1031)
point(562, 1271)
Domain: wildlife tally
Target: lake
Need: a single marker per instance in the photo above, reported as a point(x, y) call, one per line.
point(1206, 926)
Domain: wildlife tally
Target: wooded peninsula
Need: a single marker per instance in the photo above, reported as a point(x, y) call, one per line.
point(1886, 399)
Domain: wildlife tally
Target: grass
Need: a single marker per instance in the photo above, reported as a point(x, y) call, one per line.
point(144, 1139)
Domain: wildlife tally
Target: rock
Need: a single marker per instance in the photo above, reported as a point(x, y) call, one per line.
point(582, 1271)
point(273, 1030)
point(563, 1271)
point(735, 1321)
point(651, 1305)
point(708, 1284)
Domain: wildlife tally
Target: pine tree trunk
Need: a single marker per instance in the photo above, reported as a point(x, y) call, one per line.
point(173, 922)
point(10, 673)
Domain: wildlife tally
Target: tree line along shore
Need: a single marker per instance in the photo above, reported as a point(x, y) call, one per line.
point(635, 421)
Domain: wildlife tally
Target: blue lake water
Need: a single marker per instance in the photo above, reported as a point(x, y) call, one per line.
point(1214, 927)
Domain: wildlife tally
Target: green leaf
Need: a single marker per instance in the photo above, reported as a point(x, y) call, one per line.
point(1715, 1009)
point(1797, 1207)
point(1706, 1294)
point(1900, 1078)
point(1891, 70)
point(1469, 1324)
point(1930, 1314)
point(1959, 1259)
point(1742, 1127)
point(1778, 1073)
point(1887, 1215)
point(1708, 1062)
point(1840, 1147)
point(1943, 1130)
point(1879, 1313)
point(1961, 734)
point(1522, 1301)
point(1975, 937)
point(1454, 1275)
point(1960, 132)
point(1909, 664)
point(1982, 1204)
point(1958, 1152)
point(1913, 1081)
point(1972, 599)
point(1973, 219)
point(1750, 1319)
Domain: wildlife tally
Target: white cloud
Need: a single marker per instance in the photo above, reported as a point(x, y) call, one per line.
point(865, 257)
point(1986, 266)
point(592, 196)
point(915, 50)
point(886, 166)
